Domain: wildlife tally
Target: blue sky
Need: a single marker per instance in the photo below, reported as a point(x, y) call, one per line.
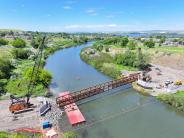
point(92, 15)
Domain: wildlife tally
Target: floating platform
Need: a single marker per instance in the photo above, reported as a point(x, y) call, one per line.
point(72, 111)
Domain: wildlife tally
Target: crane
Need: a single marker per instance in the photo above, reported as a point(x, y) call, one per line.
point(19, 104)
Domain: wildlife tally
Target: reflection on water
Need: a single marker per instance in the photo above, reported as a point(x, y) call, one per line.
point(116, 114)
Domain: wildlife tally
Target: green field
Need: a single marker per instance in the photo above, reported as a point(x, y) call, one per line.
point(5, 52)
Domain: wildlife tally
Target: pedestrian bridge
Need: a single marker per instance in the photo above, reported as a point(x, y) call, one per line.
point(67, 99)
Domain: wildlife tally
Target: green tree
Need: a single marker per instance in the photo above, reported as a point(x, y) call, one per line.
point(124, 41)
point(162, 40)
point(3, 41)
point(43, 77)
point(20, 53)
point(5, 68)
point(132, 45)
point(149, 43)
point(19, 43)
point(141, 61)
point(35, 42)
point(98, 47)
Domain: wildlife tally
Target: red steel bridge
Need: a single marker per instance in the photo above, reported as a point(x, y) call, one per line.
point(94, 90)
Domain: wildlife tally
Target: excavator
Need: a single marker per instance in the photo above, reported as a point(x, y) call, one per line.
point(20, 104)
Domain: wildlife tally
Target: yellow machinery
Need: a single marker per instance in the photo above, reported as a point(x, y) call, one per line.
point(178, 82)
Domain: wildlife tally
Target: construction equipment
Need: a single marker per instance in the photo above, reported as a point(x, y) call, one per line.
point(146, 77)
point(19, 104)
point(178, 82)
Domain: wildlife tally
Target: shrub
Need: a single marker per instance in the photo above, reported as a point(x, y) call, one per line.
point(5, 68)
point(132, 45)
point(43, 77)
point(69, 135)
point(20, 53)
point(110, 70)
point(17, 87)
point(149, 43)
point(19, 43)
point(3, 41)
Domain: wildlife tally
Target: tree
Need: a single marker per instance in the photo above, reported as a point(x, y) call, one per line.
point(132, 45)
point(19, 43)
point(20, 53)
point(142, 61)
point(149, 43)
point(162, 40)
point(98, 47)
point(124, 41)
point(5, 68)
point(35, 42)
point(43, 77)
point(3, 41)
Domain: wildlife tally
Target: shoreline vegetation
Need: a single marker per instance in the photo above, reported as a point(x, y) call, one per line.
point(17, 56)
point(174, 100)
point(112, 56)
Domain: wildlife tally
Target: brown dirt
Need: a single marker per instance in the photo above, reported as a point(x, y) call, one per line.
point(174, 61)
point(9, 121)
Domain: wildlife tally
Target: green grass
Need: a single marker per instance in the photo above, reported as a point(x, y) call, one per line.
point(5, 52)
point(23, 65)
point(180, 94)
point(121, 67)
point(167, 49)
point(18, 135)
point(177, 50)
point(174, 100)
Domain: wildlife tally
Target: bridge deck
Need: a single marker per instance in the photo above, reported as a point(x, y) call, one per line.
point(64, 100)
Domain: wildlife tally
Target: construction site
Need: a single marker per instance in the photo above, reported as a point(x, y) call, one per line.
point(43, 115)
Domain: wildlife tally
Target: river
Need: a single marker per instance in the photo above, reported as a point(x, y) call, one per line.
point(121, 114)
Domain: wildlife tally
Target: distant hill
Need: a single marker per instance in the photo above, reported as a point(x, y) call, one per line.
point(14, 30)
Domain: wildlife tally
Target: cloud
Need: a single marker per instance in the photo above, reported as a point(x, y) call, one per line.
point(92, 26)
point(67, 7)
point(110, 16)
point(71, 2)
point(91, 11)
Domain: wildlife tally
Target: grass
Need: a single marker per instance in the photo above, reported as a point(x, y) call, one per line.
point(174, 100)
point(5, 52)
point(22, 66)
point(179, 94)
point(166, 49)
point(105, 63)
point(177, 50)
point(18, 135)
point(121, 67)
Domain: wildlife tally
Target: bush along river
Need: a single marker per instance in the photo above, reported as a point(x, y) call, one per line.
point(122, 114)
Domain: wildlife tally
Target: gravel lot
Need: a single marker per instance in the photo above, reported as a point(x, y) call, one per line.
point(9, 121)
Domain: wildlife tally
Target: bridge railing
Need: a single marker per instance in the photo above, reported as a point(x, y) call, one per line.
point(94, 90)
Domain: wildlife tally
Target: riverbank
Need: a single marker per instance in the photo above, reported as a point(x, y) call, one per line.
point(104, 62)
point(21, 65)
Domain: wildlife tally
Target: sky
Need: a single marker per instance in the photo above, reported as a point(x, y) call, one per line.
point(92, 15)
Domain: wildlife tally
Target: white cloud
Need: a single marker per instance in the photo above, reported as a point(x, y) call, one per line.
point(71, 2)
point(110, 16)
point(94, 26)
point(91, 11)
point(67, 7)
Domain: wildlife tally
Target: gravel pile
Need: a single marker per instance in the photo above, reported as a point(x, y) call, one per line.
point(54, 114)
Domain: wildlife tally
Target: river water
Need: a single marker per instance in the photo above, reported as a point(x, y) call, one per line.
point(123, 113)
